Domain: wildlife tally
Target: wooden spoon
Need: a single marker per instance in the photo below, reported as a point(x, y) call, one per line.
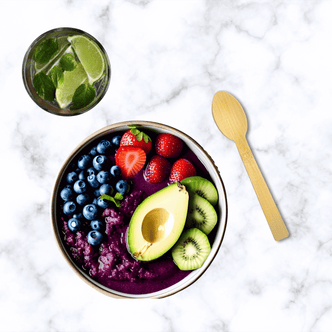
point(232, 122)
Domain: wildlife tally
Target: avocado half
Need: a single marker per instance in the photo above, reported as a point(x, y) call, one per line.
point(158, 222)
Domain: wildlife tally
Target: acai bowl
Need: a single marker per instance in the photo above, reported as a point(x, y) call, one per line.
point(129, 205)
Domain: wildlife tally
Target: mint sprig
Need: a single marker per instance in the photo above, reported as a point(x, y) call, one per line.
point(44, 86)
point(46, 50)
point(118, 197)
point(83, 96)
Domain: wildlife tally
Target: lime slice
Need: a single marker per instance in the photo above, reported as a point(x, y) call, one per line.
point(71, 81)
point(89, 55)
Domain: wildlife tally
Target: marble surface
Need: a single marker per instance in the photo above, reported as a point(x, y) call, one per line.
point(168, 59)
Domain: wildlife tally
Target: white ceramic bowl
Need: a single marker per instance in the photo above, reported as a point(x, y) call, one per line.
point(221, 207)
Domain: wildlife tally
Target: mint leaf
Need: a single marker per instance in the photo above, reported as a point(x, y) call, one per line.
point(116, 199)
point(56, 76)
point(83, 96)
point(68, 62)
point(46, 50)
point(118, 196)
point(44, 86)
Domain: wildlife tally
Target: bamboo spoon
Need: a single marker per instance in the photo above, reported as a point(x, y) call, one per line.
point(232, 122)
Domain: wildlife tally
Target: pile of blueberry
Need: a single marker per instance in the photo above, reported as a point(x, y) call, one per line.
point(93, 176)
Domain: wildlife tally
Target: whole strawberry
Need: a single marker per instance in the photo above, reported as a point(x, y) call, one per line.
point(135, 137)
point(168, 145)
point(181, 169)
point(157, 169)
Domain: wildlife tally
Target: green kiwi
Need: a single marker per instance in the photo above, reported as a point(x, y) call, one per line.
point(201, 214)
point(191, 250)
point(202, 187)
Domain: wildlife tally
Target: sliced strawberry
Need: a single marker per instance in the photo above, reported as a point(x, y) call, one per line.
point(157, 169)
point(135, 137)
point(130, 159)
point(168, 145)
point(181, 169)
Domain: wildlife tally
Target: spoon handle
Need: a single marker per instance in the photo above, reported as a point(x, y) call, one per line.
point(264, 196)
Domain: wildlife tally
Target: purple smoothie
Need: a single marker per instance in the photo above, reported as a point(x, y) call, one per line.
point(110, 263)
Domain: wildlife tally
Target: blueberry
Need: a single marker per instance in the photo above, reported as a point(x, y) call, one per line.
point(92, 180)
point(95, 237)
point(84, 161)
point(103, 203)
point(69, 208)
point(99, 162)
point(96, 225)
point(82, 199)
point(115, 171)
point(103, 146)
point(116, 140)
point(121, 186)
point(93, 152)
point(74, 224)
point(95, 201)
point(82, 175)
point(91, 170)
point(106, 189)
point(103, 177)
point(72, 177)
point(80, 186)
point(78, 216)
point(67, 194)
point(90, 211)
point(97, 193)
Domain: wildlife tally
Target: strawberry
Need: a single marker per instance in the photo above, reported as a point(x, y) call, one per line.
point(157, 169)
point(168, 145)
point(181, 169)
point(130, 159)
point(134, 137)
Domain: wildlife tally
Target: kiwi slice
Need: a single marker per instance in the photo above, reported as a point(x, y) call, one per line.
point(201, 214)
point(202, 187)
point(191, 250)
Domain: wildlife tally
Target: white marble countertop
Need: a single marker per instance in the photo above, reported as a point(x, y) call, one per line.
point(168, 59)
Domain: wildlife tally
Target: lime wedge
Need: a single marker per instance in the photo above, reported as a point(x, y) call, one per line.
point(89, 55)
point(71, 81)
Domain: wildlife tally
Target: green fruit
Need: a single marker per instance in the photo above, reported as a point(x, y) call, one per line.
point(202, 187)
point(158, 222)
point(90, 56)
point(71, 81)
point(201, 214)
point(192, 249)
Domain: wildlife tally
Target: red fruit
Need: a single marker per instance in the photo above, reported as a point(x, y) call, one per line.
point(130, 159)
point(181, 169)
point(168, 145)
point(134, 137)
point(157, 169)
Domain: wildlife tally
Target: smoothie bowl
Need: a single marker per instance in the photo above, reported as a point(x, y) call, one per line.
point(139, 210)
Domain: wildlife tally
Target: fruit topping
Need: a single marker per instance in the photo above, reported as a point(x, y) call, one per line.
point(202, 187)
point(74, 224)
point(97, 225)
point(130, 159)
point(135, 137)
point(105, 189)
point(116, 140)
point(115, 171)
point(94, 237)
point(80, 187)
point(103, 146)
point(90, 211)
point(157, 169)
point(181, 169)
point(69, 208)
point(168, 145)
point(192, 249)
point(201, 214)
point(121, 186)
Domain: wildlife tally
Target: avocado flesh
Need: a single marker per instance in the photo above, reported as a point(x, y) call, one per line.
point(158, 222)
